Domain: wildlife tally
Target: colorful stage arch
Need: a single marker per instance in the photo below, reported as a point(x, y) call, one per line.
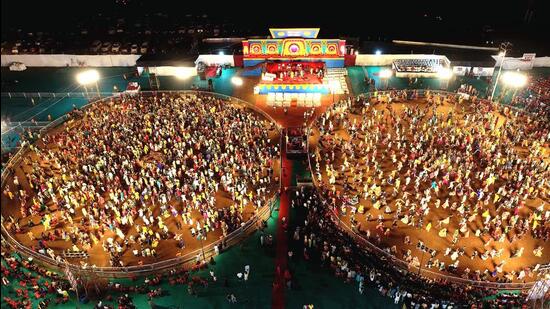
point(299, 44)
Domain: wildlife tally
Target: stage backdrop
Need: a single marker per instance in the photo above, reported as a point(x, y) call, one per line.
point(330, 51)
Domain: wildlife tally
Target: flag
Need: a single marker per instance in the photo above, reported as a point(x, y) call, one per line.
point(446, 220)
point(443, 233)
point(429, 227)
point(486, 214)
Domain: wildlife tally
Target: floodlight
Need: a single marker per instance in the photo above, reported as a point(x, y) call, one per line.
point(385, 73)
point(183, 73)
point(221, 53)
point(444, 73)
point(378, 52)
point(237, 81)
point(87, 77)
point(514, 79)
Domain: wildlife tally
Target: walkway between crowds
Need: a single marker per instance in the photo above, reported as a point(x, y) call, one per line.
point(278, 294)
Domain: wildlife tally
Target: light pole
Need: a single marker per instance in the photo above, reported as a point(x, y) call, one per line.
point(504, 46)
point(501, 55)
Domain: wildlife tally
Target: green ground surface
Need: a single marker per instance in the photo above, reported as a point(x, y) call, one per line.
point(256, 293)
point(62, 80)
point(314, 284)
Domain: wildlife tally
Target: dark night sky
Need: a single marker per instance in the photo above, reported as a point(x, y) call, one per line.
point(462, 20)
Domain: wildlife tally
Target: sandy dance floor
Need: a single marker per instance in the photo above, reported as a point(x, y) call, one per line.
point(359, 167)
point(29, 235)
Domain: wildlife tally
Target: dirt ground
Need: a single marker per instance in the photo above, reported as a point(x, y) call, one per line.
point(431, 239)
point(166, 249)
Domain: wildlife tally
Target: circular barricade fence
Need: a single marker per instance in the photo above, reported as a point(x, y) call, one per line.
point(205, 252)
point(386, 257)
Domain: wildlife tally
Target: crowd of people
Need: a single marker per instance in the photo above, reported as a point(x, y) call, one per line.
point(535, 97)
point(33, 286)
point(461, 174)
point(296, 71)
point(132, 172)
point(31, 282)
point(319, 238)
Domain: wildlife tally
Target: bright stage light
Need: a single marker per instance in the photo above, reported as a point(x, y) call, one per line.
point(184, 73)
point(87, 77)
point(378, 52)
point(444, 73)
point(221, 53)
point(385, 73)
point(514, 79)
point(237, 81)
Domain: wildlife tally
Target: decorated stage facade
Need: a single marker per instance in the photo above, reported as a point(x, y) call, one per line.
point(292, 60)
point(294, 44)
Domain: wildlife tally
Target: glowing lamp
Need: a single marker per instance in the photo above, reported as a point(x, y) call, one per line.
point(237, 81)
point(183, 73)
point(386, 73)
point(514, 79)
point(87, 77)
point(444, 73)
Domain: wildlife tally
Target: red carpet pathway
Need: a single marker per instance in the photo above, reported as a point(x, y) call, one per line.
point(279, 286)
